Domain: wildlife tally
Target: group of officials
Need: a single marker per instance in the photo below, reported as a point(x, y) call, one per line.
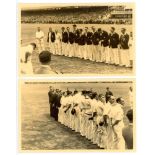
point(90, 44)
point(98, 117)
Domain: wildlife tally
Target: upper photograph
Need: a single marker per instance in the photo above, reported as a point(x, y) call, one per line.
point(76, 39)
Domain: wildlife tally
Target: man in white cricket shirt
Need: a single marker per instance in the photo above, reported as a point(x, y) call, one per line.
point(40, 39)
point(25, 58)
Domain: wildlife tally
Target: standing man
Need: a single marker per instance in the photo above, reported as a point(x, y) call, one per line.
point(51, 40)
point(25, 58)
point(40, 39)
point(108, 94)
point(75, 44)
point(51, 102)
point(95, 41)
point(57, 104)
point(124, 48)
point(105, 56)
point(131, 97)
point(128, 130)
point(114, 41)
point(88, 40)
point(64, 41)
point(131, 49)
point(71, 42)
point(57, 43)
point(81, 44)
point(117, 124)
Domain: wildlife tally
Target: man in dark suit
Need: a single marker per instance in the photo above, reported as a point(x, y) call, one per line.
point(51, 40)
point(124, 48)
point(114, 42)
point(64, 40)
point(108, 94)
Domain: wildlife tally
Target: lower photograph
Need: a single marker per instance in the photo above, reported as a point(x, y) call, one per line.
point(77, 115)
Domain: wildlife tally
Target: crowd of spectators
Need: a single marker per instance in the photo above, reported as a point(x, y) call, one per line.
point(71, 16)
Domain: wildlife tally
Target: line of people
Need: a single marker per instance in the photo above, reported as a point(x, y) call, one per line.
point(97, 117)
point(90, 44)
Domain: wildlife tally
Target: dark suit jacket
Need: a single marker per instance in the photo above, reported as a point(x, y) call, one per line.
point(114, 40)
point(107, 95)
point(76, 36)
point(71, 37)
point(52, 37)
point(124, 39)
point(105, 39)
point(81, 40)
point(88, 38)
point(50, 95)
point(95, 38)
point(65, 37)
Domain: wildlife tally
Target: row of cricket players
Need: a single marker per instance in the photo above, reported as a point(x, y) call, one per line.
point(98, 121)
point(90, 44)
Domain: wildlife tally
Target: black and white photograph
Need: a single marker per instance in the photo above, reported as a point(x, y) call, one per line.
point(77, 116)
point(79, 39)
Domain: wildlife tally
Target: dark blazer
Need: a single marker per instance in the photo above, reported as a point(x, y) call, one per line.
point(76, 36)
point(52, 37)
point(65, 37)
point(81, 40)
point(105, 39)
point(51, 102)
point(88, 38)
point(114, 40)
point(107, 95)
point(71, 37)
point(95, 38)
point(124, 39)
point(50, 93)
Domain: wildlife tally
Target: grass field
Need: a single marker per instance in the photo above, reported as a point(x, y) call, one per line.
point(40, 132)
point(72, 65)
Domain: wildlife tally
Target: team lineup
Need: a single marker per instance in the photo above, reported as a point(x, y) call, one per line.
point(98, 117)
point(89, 43)
point(77, 40)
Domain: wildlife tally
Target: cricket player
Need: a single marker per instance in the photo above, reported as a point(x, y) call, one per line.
point(64, 41)
point(81, 44)
point(71, 42)
point(51, 40)
point(131, 48)
point(128, 130)
point(75, 43)
point(117, 124)
point(105, 56)
point(25, 58)
point(40, 39)
point(88, 45)
point(58, 43)
point(114, 42)
point(131, 97)
point(124, 48)
point(95, 41)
